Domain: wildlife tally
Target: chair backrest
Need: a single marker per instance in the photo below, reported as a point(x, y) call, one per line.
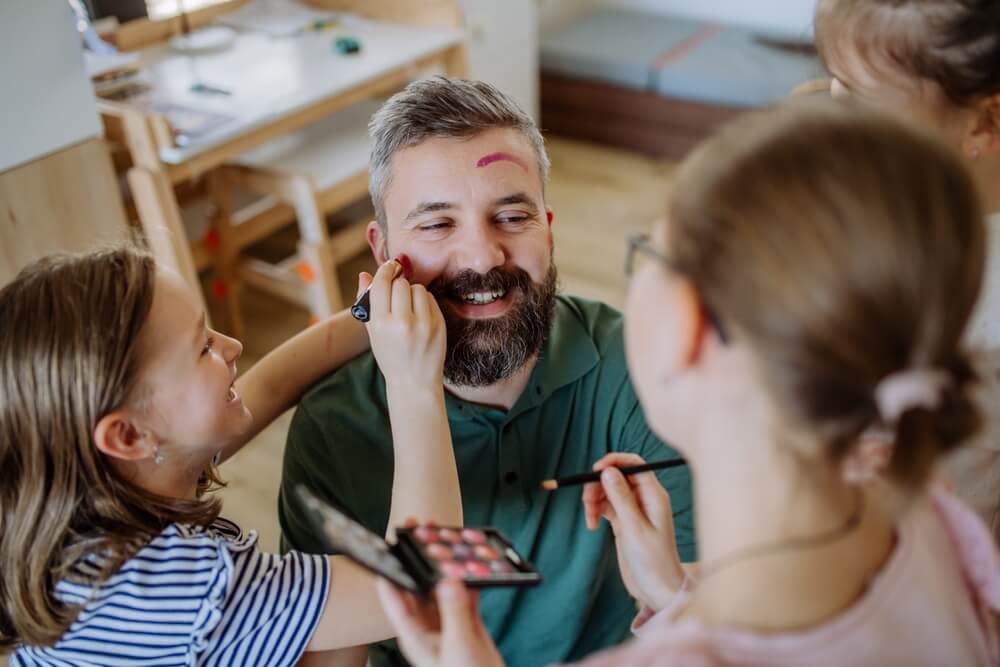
point(426, 13)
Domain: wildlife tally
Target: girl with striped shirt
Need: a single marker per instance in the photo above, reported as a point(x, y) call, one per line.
point(116, 402)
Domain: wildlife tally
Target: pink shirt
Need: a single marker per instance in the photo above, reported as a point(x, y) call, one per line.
point(932, 604)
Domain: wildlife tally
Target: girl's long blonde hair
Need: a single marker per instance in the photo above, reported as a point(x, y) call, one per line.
point(69, 354)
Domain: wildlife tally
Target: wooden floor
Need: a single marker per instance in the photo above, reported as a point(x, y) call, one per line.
point(599, 196)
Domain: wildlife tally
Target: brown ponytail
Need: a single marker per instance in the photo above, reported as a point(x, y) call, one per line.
point(842, 248)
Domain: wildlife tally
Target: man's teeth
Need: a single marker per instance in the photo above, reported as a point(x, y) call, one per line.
point(482, 298)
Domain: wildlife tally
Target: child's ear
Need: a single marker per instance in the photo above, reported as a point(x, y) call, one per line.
point(377, 241)
point(118, 436)
point(694, 326)
point(983, 137)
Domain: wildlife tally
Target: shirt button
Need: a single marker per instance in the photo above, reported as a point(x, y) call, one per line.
point(510, 477)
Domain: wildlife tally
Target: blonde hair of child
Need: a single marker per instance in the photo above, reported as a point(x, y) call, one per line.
point(70, 352)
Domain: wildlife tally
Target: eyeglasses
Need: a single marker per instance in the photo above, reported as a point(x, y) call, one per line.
point(639, 248)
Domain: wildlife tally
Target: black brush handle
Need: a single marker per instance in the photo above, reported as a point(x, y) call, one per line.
point(361, 310)
point(584, 478)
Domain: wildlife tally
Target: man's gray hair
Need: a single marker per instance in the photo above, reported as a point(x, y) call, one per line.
point(441, 107)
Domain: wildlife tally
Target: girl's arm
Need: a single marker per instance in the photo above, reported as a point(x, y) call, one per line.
point(409, 346)
point(277, 381)
point(408, 339)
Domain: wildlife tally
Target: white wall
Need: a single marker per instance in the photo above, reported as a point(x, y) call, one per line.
point(789, 17)
point(48, 103)
point(556, 13)
point(503, 47)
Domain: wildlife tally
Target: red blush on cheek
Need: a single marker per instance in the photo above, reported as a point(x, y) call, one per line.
point(406, 265)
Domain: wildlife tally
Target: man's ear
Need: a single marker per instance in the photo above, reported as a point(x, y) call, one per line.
point(983, 134)
point(377, 241)
point(118, 436)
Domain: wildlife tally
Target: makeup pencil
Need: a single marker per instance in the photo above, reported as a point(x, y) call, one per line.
point(361, 310)
point(583, 478)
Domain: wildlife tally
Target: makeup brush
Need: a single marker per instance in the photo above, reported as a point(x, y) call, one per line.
point(583, 478)
point(361, 310)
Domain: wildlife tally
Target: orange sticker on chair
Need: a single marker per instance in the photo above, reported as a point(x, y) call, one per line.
point(306, 271)
point(219, 289)
point(211, 239)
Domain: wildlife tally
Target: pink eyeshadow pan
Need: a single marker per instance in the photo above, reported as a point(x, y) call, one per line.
point(485, 552)
point(477, 569)
point(473, 536)
point(449, 535)
point(426, 535)
point(438, 552)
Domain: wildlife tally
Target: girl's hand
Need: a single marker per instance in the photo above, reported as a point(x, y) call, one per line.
point(445, 633)
point(406, 329)
point(639, 511)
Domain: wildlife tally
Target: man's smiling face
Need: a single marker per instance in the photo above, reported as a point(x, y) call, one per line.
point(470, 214)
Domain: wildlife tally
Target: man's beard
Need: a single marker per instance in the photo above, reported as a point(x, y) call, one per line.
point(484, 351)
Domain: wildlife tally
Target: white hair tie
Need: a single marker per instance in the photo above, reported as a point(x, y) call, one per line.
point(912, 388)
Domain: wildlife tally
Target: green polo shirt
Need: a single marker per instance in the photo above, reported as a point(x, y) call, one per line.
point(578, 406)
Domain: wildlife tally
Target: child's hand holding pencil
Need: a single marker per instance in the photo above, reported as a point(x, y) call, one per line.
point(641, 517)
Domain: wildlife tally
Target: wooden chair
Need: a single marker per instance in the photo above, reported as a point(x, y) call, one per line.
point(315, 171)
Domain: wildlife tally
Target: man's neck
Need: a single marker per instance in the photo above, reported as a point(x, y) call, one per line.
point(501, 395)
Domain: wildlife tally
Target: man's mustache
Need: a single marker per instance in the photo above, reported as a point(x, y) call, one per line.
point(495, 280)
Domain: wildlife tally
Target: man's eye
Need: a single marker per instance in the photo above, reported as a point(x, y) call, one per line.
point(208, 346)
point(434, 226)
point(512, 219)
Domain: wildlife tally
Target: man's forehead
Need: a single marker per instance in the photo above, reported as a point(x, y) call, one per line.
point(442, 168)
point(480, 150)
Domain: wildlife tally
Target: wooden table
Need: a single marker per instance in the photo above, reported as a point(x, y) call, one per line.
point(276, 85)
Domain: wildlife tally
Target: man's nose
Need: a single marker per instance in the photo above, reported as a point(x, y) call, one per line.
point(481, 249)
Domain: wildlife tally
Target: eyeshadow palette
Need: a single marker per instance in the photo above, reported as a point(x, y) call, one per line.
point(481, 557)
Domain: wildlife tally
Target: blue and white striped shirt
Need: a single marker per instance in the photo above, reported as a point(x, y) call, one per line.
point(192, 596)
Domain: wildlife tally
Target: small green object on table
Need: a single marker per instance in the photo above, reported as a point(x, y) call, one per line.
point(347, 45)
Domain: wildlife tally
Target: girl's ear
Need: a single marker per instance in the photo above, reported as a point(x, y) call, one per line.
point(118, 436)
point(983, 134)
point(693, 325)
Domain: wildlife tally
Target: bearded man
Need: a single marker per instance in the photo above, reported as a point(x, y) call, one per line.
point(536, 383)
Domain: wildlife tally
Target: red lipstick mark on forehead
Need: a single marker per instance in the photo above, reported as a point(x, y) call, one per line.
point(497, 157)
